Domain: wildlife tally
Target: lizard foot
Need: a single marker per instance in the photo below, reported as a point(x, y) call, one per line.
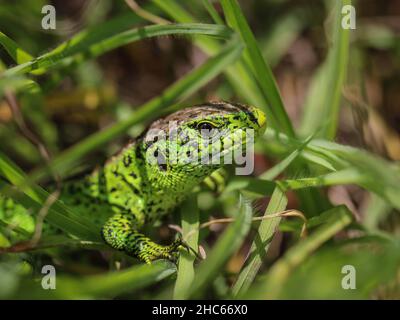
point(152, 251)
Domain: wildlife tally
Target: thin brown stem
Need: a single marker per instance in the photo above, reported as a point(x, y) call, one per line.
point(52, 198)
point(286, 213)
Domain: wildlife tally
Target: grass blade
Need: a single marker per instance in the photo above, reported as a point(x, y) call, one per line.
point(260, 245)
point(65, 51)
point(276, 170)
point(325, 94)
point(100, 286)
point(261, 70)
point(227, 244)
point(15, 52)
point(59, 215)
point(238, 74)
point(213, 13)
point(271, 286)
point(190, 223)
point(356, 166)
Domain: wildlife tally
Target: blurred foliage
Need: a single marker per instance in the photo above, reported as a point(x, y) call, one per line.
point(332, 148)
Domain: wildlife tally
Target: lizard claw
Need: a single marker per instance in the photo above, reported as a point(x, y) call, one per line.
point(182, 243)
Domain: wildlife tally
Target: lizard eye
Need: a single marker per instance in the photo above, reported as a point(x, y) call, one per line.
point(205, 128)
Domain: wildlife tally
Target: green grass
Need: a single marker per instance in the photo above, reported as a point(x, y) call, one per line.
point(190, 232)
point(307, 161)
point(326, 91)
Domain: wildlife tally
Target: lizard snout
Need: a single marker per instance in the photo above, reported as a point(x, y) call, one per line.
point(260, 117)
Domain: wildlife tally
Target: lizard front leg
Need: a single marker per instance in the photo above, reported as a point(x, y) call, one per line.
point(121, 232)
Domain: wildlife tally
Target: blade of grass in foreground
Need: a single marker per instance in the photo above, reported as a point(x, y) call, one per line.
point(106, 285)
point(276, 170)
point(271, 286)
point(179, 90)
point(15, 52)
point(261, 70)
point(227, 244)
point(84, 38)
point(190, 224)
point(65, 51)
point(260, 245)
point(19, 56)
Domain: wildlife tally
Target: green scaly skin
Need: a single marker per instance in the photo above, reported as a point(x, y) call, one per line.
point(130, 191)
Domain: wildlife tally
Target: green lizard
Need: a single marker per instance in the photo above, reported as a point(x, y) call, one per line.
point(152, 175)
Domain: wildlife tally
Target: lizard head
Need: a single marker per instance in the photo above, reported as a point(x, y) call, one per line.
point(195, 141)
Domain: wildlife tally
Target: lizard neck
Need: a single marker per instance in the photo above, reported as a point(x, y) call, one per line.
point(173, 179)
